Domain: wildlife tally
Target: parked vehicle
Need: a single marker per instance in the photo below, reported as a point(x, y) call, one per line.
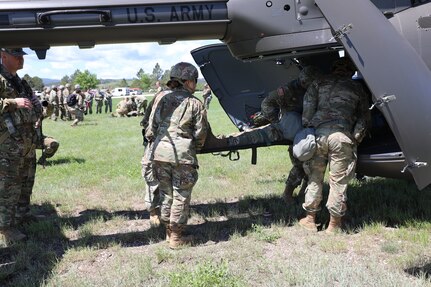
point(121, 92)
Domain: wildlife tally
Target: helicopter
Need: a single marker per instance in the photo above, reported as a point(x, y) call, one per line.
point(388, 40)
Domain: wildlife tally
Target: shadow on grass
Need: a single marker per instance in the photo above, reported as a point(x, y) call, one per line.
point(392, 202)
point(64, 160)
point(420, 271)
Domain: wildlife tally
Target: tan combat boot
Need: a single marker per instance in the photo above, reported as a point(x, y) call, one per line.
point(168, 233)
point(309, 222)
point(176, 239)
point(287, 194)
point(334, 225)
point(11, 235)
point(154, 217)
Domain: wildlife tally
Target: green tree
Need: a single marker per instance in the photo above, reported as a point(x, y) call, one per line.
point(65, 80)
point(35, 83)
point(72, 77)
point(145, 82)
point(140, 73)
point(166, 76)
point(157, 73)
point(87, 80)
point(136, 83)
point(124, 83)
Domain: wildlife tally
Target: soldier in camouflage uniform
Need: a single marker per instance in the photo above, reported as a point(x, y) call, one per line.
point(337, 107)
point(289, 98)
point(66, 93)
point(152, 194)
point(77, 111)
point(53, 99)
point(20, 114)
point(49, 145)
point(61, 105)
point(178, 128)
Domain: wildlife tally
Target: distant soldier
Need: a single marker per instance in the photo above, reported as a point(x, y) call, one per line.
point(98, 97)
point(53, 99)
point(66, 93)
point(173, 152)
point(108, 101)
point(77, 110)
point(207, 96)
point(49, 145)
point(337, 107)
point(132, 107)
point(121, 110)
point(61, 99)
point(88, 99)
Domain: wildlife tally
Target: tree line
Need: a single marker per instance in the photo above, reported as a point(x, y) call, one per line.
point(88, 80)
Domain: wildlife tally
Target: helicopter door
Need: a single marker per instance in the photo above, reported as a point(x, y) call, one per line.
point(241, 86)
point(397, 76)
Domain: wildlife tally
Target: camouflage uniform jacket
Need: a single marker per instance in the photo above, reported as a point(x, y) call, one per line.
point(53, 99)
point(339, 103)
point(178, 128)
point(287, 98)
point(12, 87)
point(65, 95)
point(156, 99)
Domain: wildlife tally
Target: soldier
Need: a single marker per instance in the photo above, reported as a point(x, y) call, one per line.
point(122, 109)
point(61, 105)
point(337, 107)
point(20, 114)
point(108, 101)
point(99, 101)
point(289, 98)
point(53, 99)
point(66, 93)
point(207, 96)
point(178, 128)
point(49, 145)
point(152, 194)
point(77, 110)
point(88, 98)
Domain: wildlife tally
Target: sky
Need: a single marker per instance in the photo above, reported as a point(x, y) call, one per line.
point(116, 61)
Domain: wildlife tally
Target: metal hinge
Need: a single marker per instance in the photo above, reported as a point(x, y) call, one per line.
point(341, 32)
point(415, 164)
point(383, 100)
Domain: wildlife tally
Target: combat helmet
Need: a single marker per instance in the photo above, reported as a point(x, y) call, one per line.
point(184, 71)
point(308, 74)
point(343, 67)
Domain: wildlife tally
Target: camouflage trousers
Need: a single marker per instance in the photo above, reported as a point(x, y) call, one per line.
point(176, 182)
point(17, 174)
point(336, 149)
point(297, 173)
point(152, 195)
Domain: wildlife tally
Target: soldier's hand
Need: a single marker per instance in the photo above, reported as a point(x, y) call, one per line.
point(259, 120)
point(23, 103)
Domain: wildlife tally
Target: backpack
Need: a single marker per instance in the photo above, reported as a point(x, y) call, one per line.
point(71, 100)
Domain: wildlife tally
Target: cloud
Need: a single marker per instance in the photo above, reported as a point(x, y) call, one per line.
point(109, 61)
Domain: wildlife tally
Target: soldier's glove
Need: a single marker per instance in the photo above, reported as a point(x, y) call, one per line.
point(259, 120)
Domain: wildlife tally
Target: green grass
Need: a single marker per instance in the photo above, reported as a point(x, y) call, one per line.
point(97, 233)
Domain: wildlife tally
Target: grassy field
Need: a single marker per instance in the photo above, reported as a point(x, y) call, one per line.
point(97, 233)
